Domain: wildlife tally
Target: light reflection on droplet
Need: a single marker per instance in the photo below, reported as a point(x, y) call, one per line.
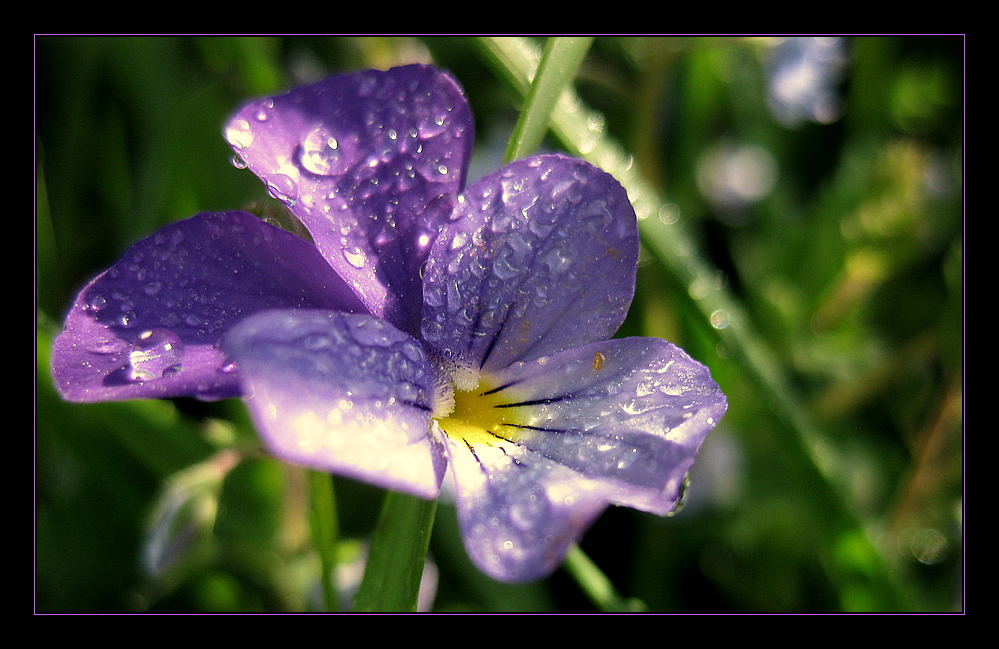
point(156, 353)
point(238, 134)
point(669, 213)
point(926, 545)
point(720, 319)
point(355, 257)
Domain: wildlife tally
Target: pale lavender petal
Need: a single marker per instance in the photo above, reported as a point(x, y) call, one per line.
point(371, 163)
point(618, 422)
point(344, 393)
point(149, 326)
point(631, 412)
point(518, 511)
point(539, 257)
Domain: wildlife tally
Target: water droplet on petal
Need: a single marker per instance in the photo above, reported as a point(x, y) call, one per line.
point(355, 257)
point(238, 134)
point(282, 188)
point(96, 303)
point(264, 111)
point(156, 353)
point(320, 153)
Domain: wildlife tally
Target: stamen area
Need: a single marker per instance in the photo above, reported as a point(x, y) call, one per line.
point(480, 416)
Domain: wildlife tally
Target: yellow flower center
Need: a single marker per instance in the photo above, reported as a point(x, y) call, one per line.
point(480, 415)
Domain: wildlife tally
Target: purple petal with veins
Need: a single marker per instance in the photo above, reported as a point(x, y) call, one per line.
point(538, 257)
point(344, 393)
point(542, 446)
point(371, 163)
point(149, 326)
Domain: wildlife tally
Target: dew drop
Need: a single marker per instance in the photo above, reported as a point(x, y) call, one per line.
point(156, 353)
point(96, 303)
point(720, 319)
point(320, 153)
point(238, 134)
point(355, 257)
point(263, 112)
point(282, 188)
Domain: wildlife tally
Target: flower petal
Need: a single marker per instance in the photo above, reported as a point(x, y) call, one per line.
point(149, 326)
point(617, 422)
point(519, 512)
point(340, 392)
point(630, 412)
point(539, 257)
point(370, 162)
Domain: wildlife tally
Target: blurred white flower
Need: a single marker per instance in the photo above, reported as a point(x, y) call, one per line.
point(803, 77)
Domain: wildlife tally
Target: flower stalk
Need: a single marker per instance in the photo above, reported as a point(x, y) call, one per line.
point(398, 554)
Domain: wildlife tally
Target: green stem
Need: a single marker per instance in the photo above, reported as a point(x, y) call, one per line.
point(398, 552)
point(596, 585)
point(325, 530)
point(557, 69)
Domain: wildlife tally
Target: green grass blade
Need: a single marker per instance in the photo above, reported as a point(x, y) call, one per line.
point(398, 552)
point(325, 530)
point(557, 69)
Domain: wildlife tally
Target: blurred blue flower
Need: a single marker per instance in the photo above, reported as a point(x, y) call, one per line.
point(425, 326)
point(803, 77)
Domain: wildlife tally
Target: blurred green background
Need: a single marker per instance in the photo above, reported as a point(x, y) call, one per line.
point(820, 182)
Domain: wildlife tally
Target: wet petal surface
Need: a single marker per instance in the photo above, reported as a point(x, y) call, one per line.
point(538, 257)
point(519, 512)
point(631, 411)
point(344, 393)
point(561, 437)
point(371, 163)
point(149, 326)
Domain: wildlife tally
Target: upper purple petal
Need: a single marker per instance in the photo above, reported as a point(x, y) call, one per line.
point(371, 163)
point(149, 326)
point(538, 257)
point(342, 392)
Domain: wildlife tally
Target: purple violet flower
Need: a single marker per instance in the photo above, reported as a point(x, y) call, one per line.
point(426, 327)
